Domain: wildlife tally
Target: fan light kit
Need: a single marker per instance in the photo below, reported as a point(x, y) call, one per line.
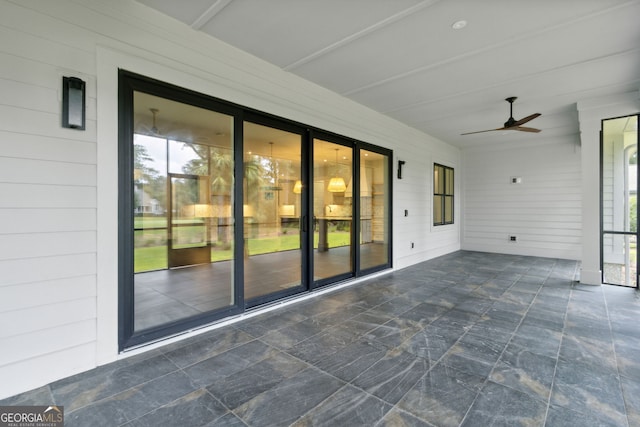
point(513, 124)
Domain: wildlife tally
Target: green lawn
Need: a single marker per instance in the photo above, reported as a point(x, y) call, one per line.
point(154, 257)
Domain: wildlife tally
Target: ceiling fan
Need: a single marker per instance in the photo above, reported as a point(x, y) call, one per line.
point(512, 124)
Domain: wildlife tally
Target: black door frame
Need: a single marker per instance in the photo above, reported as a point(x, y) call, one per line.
point(129, 83)
point(604, 232)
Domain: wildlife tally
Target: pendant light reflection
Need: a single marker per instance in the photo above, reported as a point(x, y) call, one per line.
point(337, 184)
point(154, 128)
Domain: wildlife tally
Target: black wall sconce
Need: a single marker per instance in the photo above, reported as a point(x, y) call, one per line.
point(400, 164)
point(73, 103)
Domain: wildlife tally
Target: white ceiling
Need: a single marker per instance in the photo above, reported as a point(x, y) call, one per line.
point(404, 59)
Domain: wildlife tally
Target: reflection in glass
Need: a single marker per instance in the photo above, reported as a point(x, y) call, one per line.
point(272, 209)
point(374, 209)
point(183, 198)
point(332, 209)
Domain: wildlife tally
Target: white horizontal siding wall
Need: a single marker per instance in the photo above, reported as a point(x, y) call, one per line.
point(543, 211)
point(58, 210)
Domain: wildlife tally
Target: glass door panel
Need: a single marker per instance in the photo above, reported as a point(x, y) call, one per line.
point(374, 209)
point(272, 208)
point(619, 201)
point(183, 198)
point(332, 210)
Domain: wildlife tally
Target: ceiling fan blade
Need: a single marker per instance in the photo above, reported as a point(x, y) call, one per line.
point(525, 129)
point(481, 131)
point(526, 119)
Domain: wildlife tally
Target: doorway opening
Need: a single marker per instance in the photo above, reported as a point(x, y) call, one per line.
point(619, 208)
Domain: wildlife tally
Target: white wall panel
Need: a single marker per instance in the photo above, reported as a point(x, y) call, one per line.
point(19, 195)
point(28, 270)
point(34, 371)
point(543, 211)
point(47, 292)
point(34, 245)
point(30, 171)
point(46, 341)
point(46, 317)
point(46, 220)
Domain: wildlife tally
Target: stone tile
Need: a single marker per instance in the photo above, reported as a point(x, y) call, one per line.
point(132, 403)
point(198, 408)
point(347, 407)
point(289, 400)
point(83, 389)
point(498, 405)
point(353, 359)
point(443, 396)
point(631, 393)
point(399, 418)
point(538, 340)
point(271, 321)
point(200, 348)
point(495, 330)
point(243, 386)
point(543, 318)
point(457, 318)
point(423, 313)
point(473, 354)
point(475, 305)
point(525, 371)
point(589, 389)
point(322, 345)
point(288, 336)
point(627, 356)
point(393, 375)
point(564, 417)
point(432, 342)
point(590, 351)
point(515, 296)
point(397, 306)
point(228, 363)
point(510, 319)
point(394, 332)
point(367, 321)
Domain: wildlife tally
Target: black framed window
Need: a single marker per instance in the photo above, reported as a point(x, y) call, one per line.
point(443, 194)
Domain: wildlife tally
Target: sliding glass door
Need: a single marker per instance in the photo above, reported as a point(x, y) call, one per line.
point(223, 209)
point(273, 211)
point(375, 224)
point(333, 254)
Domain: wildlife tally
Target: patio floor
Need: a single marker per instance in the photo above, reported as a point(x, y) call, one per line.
point(472, 339)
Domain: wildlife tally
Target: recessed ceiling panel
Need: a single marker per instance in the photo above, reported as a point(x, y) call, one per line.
point(185, 11)
point(284, 31)
point(425, 39)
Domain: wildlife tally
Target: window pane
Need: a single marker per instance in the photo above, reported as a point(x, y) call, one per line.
point(438, 179)
point(449, 181)
point(448, 210)
point(374, 209)
point(437, 210)
point(183, 198)
point(272, 209)
point(332, 209)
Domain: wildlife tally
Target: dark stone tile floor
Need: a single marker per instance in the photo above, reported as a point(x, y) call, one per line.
point(467, 339)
